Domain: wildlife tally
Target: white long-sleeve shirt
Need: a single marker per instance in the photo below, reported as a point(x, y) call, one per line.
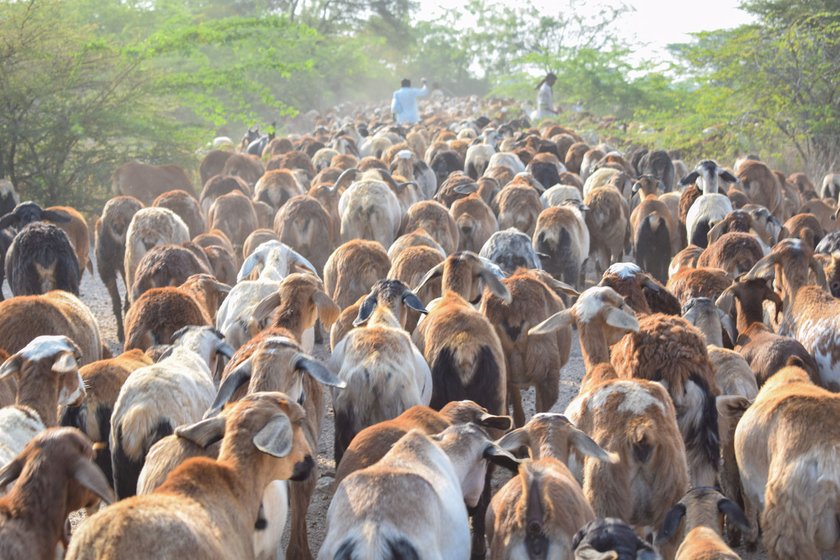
point(545, 103)
point(404, 104)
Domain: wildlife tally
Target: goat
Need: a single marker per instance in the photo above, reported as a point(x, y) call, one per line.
point(150, 227)
point(433, 218)
point(186, 207)
point(735, 252)
point(510, 249)
point(301, 224)
point(530, 360)
point(475, 222)
point(762, 186)
point(384, 372)
point(208, 507)
point(78, 234)
point(352, 269)
point(155, 399)
point(441, 472)
point(711, 206)
point(159, 313)
point(680, 361)
point(653, 229)
point(168, 265)
point(611, 538)
point(220, 185)
point(276, 188)
point(805, 227)
point(519, 207)
point(234, 214)
point(53, 475)
point(607, 223)
point(368, 209)
point(643, 292)
point(713, 322)
point(40, 259)
point(247, 167)
point(691, 283)
point(562, 237)
point(146, 182)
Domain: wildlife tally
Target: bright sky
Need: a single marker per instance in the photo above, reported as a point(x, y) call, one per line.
point(654, 23)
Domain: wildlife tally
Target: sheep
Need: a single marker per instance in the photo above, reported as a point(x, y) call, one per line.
point(810, 312)
point(519, 207)
point(41, 258)
point(157, 314)
point(46, 372)
point(54, 313)
point(78, 234)
point(703, 508)
point(168, 265)
point(765, 351)
point(234, 214)
point(642, 292)
point(220, 185)
point(368, 209)
point(352, 269)
point(186, 207)
point(475, 222)
point(157, 398)
point(442, 472)
point(301, 224)
point(436, 221)
point(611, 538)
point(562, 238)
point(150, 227)
point(781, 438)
point(607, 223)
point(670, 350)
point(207, 507)
point(735, 252)
point(539, 511)
point(711, 206)
point(146, 182)
point(690, 283)
point(636, 420)
point(269, 362)
point(102, 381)
point(52, 476)
point(762, 186)
point(530, 360)
point(385, 373)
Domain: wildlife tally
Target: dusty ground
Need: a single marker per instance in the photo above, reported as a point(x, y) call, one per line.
point(95, 295)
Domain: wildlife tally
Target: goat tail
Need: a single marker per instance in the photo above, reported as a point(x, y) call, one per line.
point(373, 542)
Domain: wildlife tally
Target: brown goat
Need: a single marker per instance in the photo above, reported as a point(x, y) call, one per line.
point(158, 314)
point(735, 252)
point(146, 182)
point(301, 224)
point(353, 268)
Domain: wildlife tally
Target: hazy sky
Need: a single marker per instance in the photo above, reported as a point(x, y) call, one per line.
point(653, 24)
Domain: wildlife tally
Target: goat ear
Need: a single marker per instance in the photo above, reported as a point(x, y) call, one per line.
point(689, 179)
point(587, 446)
point(317, 370)
point(495, 422)
point(236, 379)
point(716, 231)
point(764, 269)
point(265, 308)
point(726, 300)
point(728, 177)
point(10, 366)
point(671, 524)
point(328, 311)
point(495, 285)
point(10, 472)
point(498, 456)
point(728, 325)
point(466, 188)
point(413, 302)
point(515, 440)
point(733, 513)
point(435, 272)
point(635, 188)
point(275, 438)
point(55, 216)
point(559, 320)
point(65, 363)
point(203, 433)
point(560, 288)
point(365, 310)
point(90, 476)
point(731, 406)
point(249, 265)
point(620, 319)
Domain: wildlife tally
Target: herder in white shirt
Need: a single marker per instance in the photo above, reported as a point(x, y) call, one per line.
point(404, 102)
point(545, 104)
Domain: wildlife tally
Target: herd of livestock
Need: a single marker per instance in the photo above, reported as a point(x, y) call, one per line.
point(444, 266)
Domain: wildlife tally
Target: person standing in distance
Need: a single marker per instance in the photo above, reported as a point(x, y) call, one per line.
point(545, 104)
point(404, 102)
